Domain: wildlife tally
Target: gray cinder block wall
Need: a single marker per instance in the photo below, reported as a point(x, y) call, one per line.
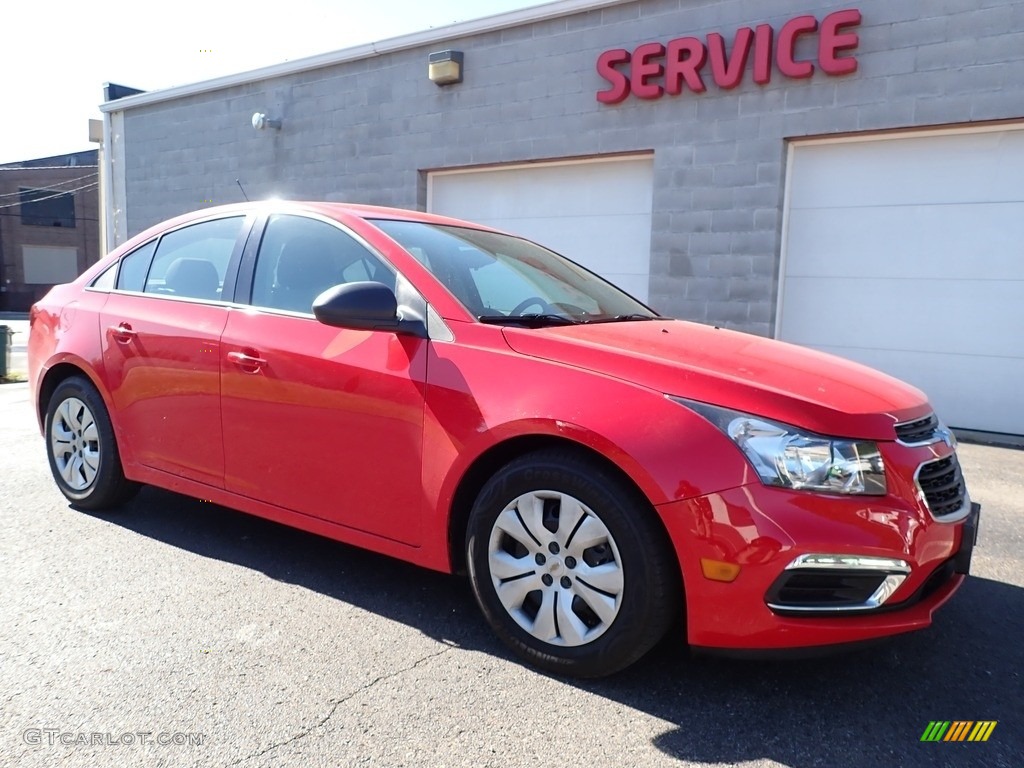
point(368, 130)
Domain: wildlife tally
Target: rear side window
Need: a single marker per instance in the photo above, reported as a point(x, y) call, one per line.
point(191, 262)
point(132, 274)
point(105, 281)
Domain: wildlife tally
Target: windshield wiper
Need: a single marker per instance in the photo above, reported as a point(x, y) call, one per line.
point(624, 318)
point(531, 319)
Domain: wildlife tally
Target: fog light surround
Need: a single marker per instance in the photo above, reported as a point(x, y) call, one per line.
point(833, 583)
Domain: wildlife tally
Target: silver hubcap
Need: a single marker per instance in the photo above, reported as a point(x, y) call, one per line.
point(75, 444)
point(555, 568)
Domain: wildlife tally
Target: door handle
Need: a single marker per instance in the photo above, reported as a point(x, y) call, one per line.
point(248, 363)
point(122, 333)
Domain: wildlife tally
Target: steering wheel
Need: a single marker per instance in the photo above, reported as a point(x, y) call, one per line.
point(529, 302)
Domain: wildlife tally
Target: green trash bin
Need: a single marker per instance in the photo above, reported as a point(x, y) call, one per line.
point(6, 335)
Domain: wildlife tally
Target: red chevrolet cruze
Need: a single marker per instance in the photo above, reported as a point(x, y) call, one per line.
point(469, 401)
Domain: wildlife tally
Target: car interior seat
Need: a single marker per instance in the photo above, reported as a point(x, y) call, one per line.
point(306, 268)
point(194, 278)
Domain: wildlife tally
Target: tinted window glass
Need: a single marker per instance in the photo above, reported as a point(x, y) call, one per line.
point(499, 276)
point(132, 275)
point(300, 258)
point(106, 279)
point(191, 262)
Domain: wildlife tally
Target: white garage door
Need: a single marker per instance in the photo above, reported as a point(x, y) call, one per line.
point(907, 253)
point(596, 212)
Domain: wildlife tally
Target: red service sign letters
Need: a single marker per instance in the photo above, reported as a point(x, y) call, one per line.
point(653, 69)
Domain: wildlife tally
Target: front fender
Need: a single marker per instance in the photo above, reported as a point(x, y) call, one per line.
point(480, 397)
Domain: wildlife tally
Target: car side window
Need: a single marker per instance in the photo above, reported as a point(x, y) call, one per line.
point(131, 275)
point(105, 281)
point(191, 262)
point(300, 258)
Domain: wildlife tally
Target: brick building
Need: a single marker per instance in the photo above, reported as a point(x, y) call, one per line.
point(850, 177)
point(49, 225)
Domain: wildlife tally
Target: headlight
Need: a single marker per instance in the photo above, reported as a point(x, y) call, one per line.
point(788, 457)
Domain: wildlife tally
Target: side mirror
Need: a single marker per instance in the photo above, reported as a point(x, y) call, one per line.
point(366, 306)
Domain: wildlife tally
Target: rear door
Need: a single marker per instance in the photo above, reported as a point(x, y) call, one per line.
point(323, 421)
point(161, 331)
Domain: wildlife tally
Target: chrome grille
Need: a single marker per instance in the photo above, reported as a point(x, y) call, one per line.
point(918, 431)
point(943, 486)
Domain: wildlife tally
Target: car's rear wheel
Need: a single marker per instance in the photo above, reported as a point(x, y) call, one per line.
point(569, 565)
point(81, 448)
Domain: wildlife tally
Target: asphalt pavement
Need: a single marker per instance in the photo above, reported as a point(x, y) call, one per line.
point(239, 642)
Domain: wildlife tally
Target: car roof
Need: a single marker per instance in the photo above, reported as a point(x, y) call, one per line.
point(330, 209)
point(337, 211)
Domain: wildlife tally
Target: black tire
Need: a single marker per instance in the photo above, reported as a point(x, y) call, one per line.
point(99, 483)
point(647, 601)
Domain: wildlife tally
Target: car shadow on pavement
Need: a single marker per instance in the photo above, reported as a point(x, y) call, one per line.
point(868, 707)
point(440, 605)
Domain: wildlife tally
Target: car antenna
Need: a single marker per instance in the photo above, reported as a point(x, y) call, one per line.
point(243, 190)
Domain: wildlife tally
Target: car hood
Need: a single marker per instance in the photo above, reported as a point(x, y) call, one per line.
point(795, 385)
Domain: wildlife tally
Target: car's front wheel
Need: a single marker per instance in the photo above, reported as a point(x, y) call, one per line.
point(81, 448)
point(569, 565)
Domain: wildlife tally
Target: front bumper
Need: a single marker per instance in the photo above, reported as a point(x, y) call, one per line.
point(763, 530)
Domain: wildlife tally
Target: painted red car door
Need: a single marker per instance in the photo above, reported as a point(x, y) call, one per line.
point(323, 421)
point(161, 333)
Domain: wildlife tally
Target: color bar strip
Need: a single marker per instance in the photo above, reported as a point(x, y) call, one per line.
point(959, 730)
point(935, 730)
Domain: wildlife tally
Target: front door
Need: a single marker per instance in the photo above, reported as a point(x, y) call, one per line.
point(323, 421)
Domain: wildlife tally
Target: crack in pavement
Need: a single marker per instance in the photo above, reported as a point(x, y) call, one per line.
point(334, 708)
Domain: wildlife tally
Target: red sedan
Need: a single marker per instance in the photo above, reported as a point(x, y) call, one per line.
point(469, 401)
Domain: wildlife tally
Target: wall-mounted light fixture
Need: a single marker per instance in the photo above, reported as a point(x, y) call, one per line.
point(445, 67)
point(261, 122)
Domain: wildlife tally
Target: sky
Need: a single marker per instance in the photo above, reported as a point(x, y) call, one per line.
point(56, 56)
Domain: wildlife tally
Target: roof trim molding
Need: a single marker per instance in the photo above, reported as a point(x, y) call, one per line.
point(493, 23)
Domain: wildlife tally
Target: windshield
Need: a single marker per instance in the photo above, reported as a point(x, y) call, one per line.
point(508, 280)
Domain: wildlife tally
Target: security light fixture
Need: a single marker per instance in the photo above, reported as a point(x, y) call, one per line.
point(445, 67)
point(261, 122)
